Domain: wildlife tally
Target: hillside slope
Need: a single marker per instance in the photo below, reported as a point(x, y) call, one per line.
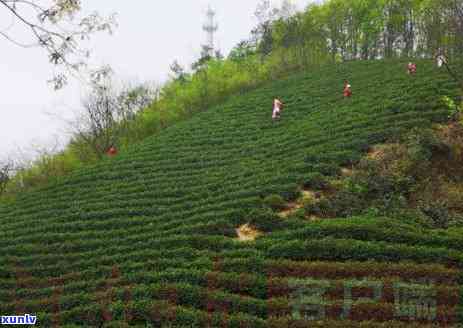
point(149, 236)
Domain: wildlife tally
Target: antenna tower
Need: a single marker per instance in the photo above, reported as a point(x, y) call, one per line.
point(210, 28)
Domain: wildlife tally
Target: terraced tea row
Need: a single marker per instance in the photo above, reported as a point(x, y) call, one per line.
point(263, 298)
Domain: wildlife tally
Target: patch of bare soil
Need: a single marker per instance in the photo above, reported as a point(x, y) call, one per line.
point(247, 233)
point(298, 204)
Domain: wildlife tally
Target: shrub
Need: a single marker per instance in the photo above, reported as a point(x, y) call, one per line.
point(316, 181)
point(423, 144)
point(264, 219)
point(275, 202)
point(345, 203)
point(320, 208)
point(413, 216)
point(298, 214)
point(438, 212)
point(342, 204)
point(454, 109)
point(290, 192)
point(380, 184)
point(389, 205)
point(327, 169)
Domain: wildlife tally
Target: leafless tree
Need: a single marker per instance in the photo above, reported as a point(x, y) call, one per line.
point(57, 27)
point(288, 9)
point(95, 127)
point(6, 170)
point(134, 97)
point(107, 114)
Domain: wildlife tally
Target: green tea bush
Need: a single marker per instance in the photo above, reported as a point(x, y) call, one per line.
point(345, 203)
point(290, 192)
point(325, 169)
point(264, 219)
point(456, 221)
point(321, 208)
point(413, 216)
point(316, 181)
point(275, 202)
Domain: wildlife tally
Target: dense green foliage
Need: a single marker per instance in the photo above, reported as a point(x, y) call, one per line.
point(416, 175)
point(283, 42)
point(149, 236)
point(332, 31)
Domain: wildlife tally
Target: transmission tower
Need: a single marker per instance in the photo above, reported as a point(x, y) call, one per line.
point(210, 28)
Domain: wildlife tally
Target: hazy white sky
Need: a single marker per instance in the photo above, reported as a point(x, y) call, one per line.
point(151, 34)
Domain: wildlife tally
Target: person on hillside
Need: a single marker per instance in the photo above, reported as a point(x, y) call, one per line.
point(112, 151)
point(440, 60)
point(347, 90)
point(277, 106)
point(411, 68)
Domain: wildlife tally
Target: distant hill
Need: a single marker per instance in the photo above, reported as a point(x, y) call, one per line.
point(149, 238)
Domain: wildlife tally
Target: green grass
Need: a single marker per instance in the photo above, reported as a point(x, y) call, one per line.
point(149, 236)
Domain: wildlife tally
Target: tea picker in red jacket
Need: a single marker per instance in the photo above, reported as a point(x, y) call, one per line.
point(411, 68)
point(112, 151)
point(347, 90)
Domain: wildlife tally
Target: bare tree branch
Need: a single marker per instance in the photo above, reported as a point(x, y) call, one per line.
point(6, 169)
point(107, 114)
point(47, 28)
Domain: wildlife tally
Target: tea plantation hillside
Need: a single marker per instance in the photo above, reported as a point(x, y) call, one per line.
point(148, 238)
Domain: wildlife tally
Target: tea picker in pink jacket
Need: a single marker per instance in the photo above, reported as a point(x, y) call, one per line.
point(277, 106)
